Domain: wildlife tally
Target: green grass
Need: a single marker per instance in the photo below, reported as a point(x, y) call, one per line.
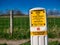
point(50, 43)
point(3, 44)
point(21, 27)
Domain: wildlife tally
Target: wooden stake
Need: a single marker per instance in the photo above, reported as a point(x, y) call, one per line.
point(11, 22)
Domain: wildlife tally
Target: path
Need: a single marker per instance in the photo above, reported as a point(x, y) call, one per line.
point(17, 42)
point(14, 42)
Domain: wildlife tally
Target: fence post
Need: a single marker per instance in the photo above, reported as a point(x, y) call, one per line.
point(11, 22)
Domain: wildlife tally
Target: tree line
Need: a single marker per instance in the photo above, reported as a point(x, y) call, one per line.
point(53, 12)
point(19, 13)
point(15, 12)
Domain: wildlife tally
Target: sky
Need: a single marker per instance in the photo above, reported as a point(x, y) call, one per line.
point(26, 5)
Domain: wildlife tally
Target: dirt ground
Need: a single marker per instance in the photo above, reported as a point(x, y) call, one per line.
point(17, 42)
point(14, 42)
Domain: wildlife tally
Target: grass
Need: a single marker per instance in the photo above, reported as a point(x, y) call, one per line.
point(50, 43)
point(54, 27)
point(21, 27)
point(3, 44)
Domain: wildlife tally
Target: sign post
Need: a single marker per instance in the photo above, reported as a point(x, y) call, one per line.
point(38, 26)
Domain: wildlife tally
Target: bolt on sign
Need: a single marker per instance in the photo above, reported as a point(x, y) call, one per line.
point(38, 26)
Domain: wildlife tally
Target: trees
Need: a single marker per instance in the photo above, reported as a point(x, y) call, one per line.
point(53, 12)
point(1, 12)
point(18, 12)
point(15, 12)
point(49, 12)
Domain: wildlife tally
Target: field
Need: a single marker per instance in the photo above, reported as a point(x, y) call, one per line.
point(21, 27)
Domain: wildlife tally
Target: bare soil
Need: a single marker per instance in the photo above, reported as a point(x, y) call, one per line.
point(17, 42)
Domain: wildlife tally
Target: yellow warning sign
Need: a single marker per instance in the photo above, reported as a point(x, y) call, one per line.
point(38, 18)
point(38, 33)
